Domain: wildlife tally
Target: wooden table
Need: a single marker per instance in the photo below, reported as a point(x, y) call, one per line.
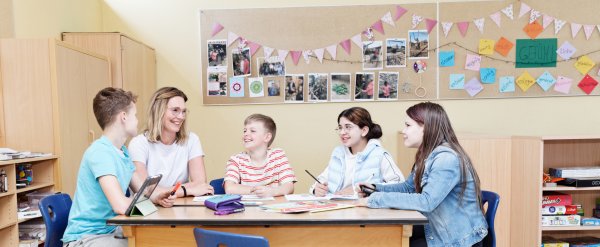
point(344, 227)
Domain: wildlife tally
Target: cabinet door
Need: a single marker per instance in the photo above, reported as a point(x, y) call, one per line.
point(149, 81)
point(132, 64)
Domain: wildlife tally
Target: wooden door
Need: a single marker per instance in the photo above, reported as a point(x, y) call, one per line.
point(132, 69)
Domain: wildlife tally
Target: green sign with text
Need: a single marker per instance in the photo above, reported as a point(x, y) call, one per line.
point(536, 53)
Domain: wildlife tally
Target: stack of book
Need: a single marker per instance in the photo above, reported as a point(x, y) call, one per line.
point(558, 210)
point(585, 176)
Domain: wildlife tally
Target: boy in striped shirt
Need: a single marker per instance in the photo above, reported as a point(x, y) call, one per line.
point(260, 170)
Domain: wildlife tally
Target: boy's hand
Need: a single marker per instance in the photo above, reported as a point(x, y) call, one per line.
point(165, 199)
point(263, 191)
point(321, 189)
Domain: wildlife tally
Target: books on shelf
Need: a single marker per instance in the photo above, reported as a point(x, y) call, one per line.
point(581, 182)
point(556, 199)
point(559, 210)
point(561, 220)
point(575, 172)
point(304, 206)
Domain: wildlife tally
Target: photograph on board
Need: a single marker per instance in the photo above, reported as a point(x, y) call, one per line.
point(340, 87)
point(217, 81)
point(217, 53)
point(241, 62)
point(395, 53)
point(388, 85)
point(419, 44)
point(273, 86)
point(317, 87)
point(271, 66)
point(294, 88)
point(372, 55)
point(364, 86)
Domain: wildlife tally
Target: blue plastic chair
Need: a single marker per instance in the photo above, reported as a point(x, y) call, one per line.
point(493, 200)
point(217, 184)
point(208, 238)
point(55, 212)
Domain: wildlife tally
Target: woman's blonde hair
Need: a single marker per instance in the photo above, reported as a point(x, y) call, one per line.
point(157, 110)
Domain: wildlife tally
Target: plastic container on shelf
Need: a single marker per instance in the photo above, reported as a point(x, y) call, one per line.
point(34, 197)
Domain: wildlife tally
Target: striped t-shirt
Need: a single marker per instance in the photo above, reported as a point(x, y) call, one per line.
point(275, 172)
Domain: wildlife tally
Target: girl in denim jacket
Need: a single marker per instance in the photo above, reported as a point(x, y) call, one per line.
point(443, 184)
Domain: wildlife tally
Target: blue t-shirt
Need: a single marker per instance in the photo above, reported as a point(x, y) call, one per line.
point(91, 208)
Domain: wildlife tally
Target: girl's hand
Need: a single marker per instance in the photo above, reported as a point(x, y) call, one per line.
point(362, 202)
point(360, 191)
point(321, 189)
point(346, 191)
point(263, 191)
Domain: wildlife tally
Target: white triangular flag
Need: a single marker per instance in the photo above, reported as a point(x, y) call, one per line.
point(547, 20)
point(416, 19)
point(332, 49)
point(588, 29)
point(357, 40)
point(231, 37)
point(558, 25)
point(446, 27)
point(508, 11)
point(268, 51)
point(479, 23)
point(319, 52)
point(524, 9)
point(534, 15)
point(496, 18)
point(575, 29)
point(306, 54)
point(387, 18)
point(282, 54)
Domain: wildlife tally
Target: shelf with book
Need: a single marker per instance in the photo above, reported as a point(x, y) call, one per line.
point(569, 188)
point(570, 228)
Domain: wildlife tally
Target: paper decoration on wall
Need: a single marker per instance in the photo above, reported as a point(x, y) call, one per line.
point(253, 47)
point(533, 29)
point(525, 81)
point(378, 26)
point(216, 28)
point(534, 53)
point(487, 75)
point(283, 54)
point(420, 66)
point(296, 56)
point(306, 55)
point(457, 81)
point(547, 20)
point(446, 27)
point(399, 12)
point(575, 29)
point(534, 15)
point(256, 87)
point(332, 49)
point(508, 11)
point(506, 84)
point(546, 80)
point(357, 40)
point(496, 18)
point(462, 27)
point(416, 19)
point(216, 81)
point(368, 33)
point(387, 18)
point(267, 51)
point(524, 9)
point(473, 62)
point(584, 64)
point(588, 29)
point(479, 23)
point(430, 24)
point(473, 87)
point(563, 84)
point(319, 52)
point(503, 46)
point(446, 58)
point(486, 46)
point(236, 87)
point(231, 37)
point(587, 84)
point(558, 25)
point(566, 50)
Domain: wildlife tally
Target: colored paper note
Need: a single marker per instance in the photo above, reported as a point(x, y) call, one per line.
point(256, 87)
point(525, 81)
point(587, 84)
point(473, 87)
point(473, 62)
point(566, 50)
point(563, 84)
point(536, 53)
point(487, 75)
point(507, 84)
point(503, 46)
point(446, 58)
point(236, 87)
point(533, 29)
point(584, 64)
point(546, 80)
point(457, 81)
point(486, 46)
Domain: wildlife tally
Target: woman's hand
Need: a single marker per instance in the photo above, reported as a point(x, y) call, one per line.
point(165, 199)
point(199, 189)
point(321, 189)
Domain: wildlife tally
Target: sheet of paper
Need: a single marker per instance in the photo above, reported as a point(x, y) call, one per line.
point(304, 197)
point(257, 198)
point(202, 198)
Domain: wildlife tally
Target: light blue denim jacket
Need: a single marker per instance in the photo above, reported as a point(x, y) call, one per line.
point(452, 223)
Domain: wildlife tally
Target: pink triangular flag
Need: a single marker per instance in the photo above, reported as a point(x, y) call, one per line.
point(282, 54)
point(430, 23)
point(598, 30)
point(332, 49)
point(378, 26)
point(268, 51)
point(479, 23)
point(306, 54)
point(446, 27)
point(496, 18)
point(231, 37)
point(558, 25)
point(253, 47)
point(357, 40)
point(534, 15)
point(416, 19)
point(575, 29)
point(462, 27)
point(387, 18)
point(524, 9)
point(216, 28)
point(399, 12)
point(319, 52)
point(296, 56)
point(346, 45)
point(508, 11)
point(588, 29)
point(547, 20)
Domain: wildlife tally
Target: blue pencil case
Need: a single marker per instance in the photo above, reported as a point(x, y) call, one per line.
point(225, 204)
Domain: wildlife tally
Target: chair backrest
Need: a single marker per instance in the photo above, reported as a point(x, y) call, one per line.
point(55, 212)
point(218, 185)
point(208, 238)
point(493, 200)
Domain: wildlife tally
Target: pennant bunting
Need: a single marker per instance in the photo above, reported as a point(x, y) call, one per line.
point(387, 18)
point(356, 39)
point(319, 52)
point(346, 45)
point(496, 18)
point(416, 19)
point(534, 15)
point(558, 25)
point(547, 20)
point(306, 54)
point(216, 28)
point(282, 54)
point(332, 49)
point(268, 51)
point(462, 27)
point(479, 23)
point(231, 37)
point(575, 29)
point(598, 28)
point(253, 47)
point(524, 9)
point(447, 25)
point(588, 30)
point(508, 11)
point(430, 23)
point(399, 12)
point(369, 34)
point(296, 56)
point(378, 26)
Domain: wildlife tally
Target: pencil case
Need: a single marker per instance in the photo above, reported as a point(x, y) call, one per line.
point(222, 203)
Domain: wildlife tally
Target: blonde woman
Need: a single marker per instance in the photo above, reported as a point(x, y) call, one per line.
point(166, 147)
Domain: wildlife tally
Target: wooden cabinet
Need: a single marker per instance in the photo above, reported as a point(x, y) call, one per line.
point(133, 64)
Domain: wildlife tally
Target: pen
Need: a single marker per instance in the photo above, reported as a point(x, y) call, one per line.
point(176, 188)
point(231, 211)
point(370, 177)
point(313, 176)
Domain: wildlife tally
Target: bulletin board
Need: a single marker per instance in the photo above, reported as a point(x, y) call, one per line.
point(316, 29)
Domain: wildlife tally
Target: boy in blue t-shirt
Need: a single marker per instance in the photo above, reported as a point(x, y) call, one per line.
point(105, 173)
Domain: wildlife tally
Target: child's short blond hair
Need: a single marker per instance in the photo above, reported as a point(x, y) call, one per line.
point(267, 122)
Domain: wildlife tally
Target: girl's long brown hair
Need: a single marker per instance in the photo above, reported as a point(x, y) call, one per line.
point(437, 131)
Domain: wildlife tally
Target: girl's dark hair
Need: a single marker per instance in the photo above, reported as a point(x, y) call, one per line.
point(361, 117)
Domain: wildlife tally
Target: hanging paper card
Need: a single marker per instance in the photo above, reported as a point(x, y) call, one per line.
point(588, 29)
point(462, 27)
point(253, 47)
point(525, 81)
point(387, 18)
point(236, 87)
point(524, 9)
point(282, 54)
point(457, 81)
point(533, 29)
point(563, 84)
point(558, 25)
point(534, 15)
point(378, 26)
point(508, 11)
point(546, 80)
point(547, 20)
point(296, 56)
point(319, 52)
point(503, 46)
point(536, 53)
point(587, 84)
point(256, 87)
point(332, 49)
point(446, 58)
point(416, 19)
point(399, 12)
point(479, 23)
point(486, 46)
point(496, 18)
point(575, 29)
point(430, 23)
point(487, 75)
point(566, 50)
point(584, 64)
point(446, 27)
point(473, 87)
point(346, 45)
point(473, 62)
point(507, 84)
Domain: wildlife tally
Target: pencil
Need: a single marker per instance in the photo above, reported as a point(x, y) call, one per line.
point(313, 176)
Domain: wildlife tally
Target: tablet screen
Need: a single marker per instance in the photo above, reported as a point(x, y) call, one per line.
point(145, 191)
